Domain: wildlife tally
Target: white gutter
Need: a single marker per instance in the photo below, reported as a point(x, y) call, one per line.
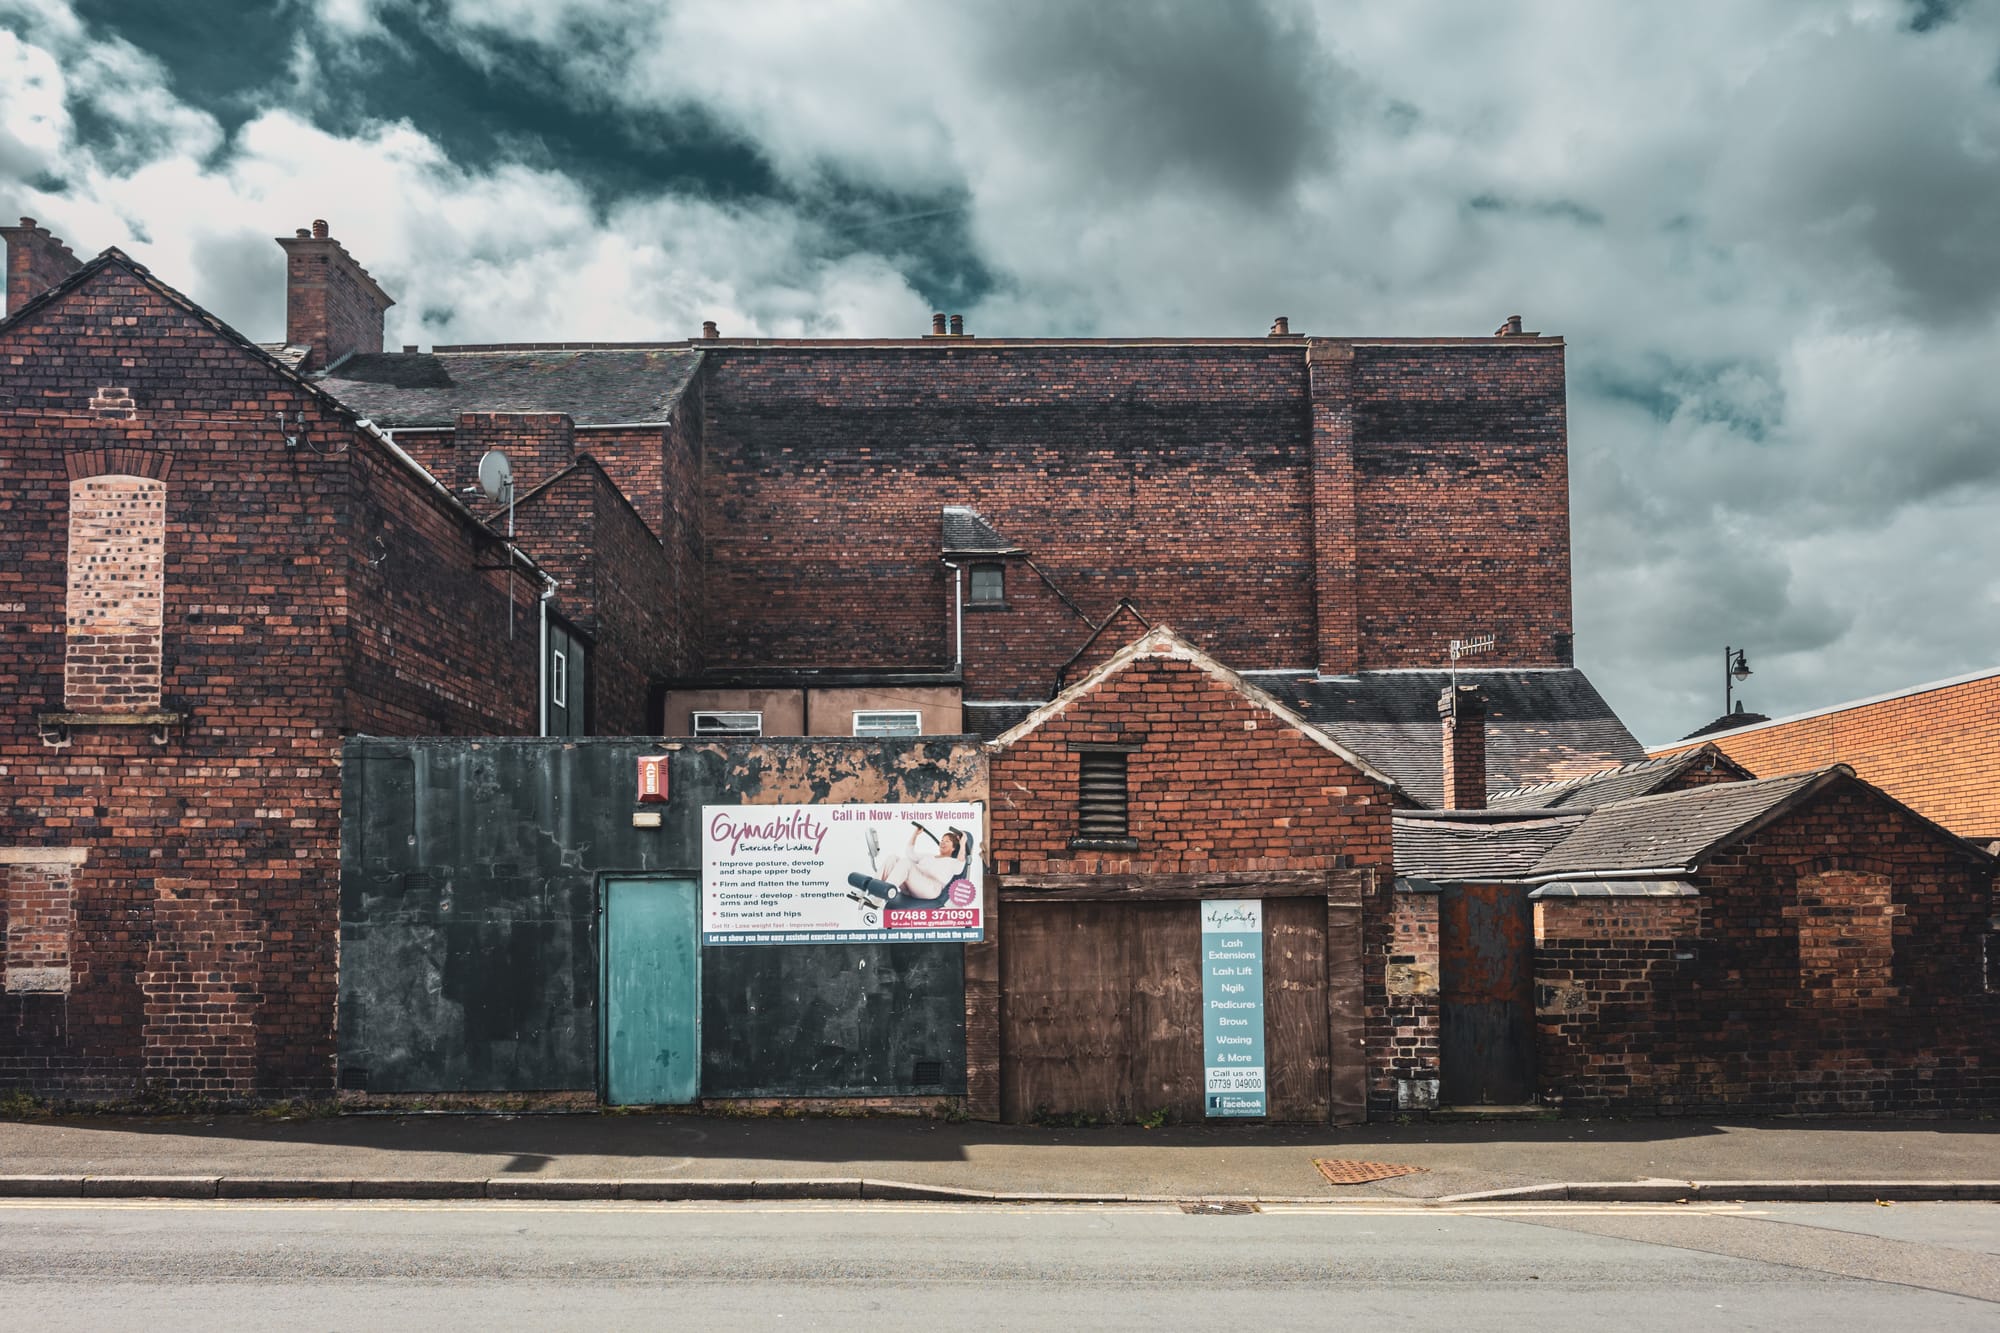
point(1676, 872)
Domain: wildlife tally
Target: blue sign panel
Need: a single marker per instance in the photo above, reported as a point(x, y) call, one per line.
point(1232, 1006)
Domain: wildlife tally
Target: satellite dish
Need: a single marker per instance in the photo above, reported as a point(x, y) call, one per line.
point(496, 476)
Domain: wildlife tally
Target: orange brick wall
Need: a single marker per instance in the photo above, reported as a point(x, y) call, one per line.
point(1937, 751)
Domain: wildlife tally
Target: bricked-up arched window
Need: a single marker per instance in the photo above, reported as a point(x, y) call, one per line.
point(117, 550)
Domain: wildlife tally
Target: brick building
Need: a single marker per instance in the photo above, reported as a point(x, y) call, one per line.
point(1934, 747)
point(223, 564)
point(1674, 936)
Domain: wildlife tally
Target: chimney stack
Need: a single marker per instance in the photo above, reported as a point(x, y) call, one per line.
point(1464, 719)
point(331, 304)
point(958, 326)
point(36, 261)
point(1511, 329)
point(1281, 327)
point(708, 329)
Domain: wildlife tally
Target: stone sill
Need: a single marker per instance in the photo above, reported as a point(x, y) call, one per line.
point(160, 723)
point(157, 718)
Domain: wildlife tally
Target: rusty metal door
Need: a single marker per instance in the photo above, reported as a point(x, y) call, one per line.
point(1486, 942)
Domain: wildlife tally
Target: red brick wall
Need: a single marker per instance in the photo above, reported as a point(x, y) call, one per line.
point(1836, 969)
point(1356, 518)
point(616, 589)
point(1206, 792)
point(429, 648)
point(203, 949)
point(1410, 1013)
point(1461, 501)
point(1937, 751)
point(1174, 475)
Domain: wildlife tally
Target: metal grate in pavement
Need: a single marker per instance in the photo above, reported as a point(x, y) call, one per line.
point(1218, 1207)
point(1340, 1171)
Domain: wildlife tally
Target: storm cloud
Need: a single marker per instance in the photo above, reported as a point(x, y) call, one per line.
point(1766, 230)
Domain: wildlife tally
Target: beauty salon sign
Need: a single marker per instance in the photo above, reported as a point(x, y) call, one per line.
point(842, 874)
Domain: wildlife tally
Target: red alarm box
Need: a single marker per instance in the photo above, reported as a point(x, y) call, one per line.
point(652, 779)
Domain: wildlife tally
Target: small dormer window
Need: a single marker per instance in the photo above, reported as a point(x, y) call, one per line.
point(989, 584)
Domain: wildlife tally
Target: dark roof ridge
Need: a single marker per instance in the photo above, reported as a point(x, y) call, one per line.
point(1696, 792)
point(1529, 814)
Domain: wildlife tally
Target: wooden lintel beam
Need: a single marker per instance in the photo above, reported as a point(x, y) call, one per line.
point(1338, 885)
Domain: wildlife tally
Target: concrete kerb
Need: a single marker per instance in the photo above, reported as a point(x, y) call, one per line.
point(846, 1188)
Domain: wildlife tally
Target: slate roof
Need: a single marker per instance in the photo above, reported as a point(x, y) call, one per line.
point(1641, 778)
point(1541, 726)
point(966, 533)
point(603, 386)
point(1678, 830)
point(1453, 850)
point(1672, 832)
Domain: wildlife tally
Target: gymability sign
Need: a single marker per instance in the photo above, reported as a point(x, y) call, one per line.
point(1232, 1006)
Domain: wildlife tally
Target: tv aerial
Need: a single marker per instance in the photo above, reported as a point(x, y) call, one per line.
point(1471, 646)
point(496, 478)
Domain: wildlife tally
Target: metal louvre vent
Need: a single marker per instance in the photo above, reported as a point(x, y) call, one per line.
point(1100, 794)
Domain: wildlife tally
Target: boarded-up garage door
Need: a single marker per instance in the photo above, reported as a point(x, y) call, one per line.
point(1101, 1009)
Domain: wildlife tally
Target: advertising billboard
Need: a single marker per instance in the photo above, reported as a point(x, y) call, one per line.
point(842, 874)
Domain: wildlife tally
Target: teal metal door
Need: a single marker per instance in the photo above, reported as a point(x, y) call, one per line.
point(652, 991)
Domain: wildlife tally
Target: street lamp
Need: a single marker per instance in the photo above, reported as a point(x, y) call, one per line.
point(1735, 669)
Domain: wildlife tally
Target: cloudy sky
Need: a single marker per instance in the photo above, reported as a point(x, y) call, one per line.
point(1770, 232)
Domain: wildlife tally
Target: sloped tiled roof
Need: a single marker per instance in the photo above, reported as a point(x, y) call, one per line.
point(966, 533)
point(604, 386)
point(1640, 778)
point(1677, 830)
point(1541, 726)
point(1483, 849)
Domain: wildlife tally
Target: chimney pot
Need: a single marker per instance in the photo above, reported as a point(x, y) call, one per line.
point(708, 329)
point(29, 223)
point(319, 229)
point(1464, 721)
point(937, 325)
point(303, 234)
point(1511, 329)
point(958, 326)
point(1281, 327)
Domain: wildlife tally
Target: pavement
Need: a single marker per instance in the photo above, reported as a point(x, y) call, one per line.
point(584, 1156)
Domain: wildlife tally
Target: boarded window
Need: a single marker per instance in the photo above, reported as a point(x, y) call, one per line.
point(1846, 921)
point(1101, 795)
point(888, 722)
point(117, 544)
point(40, 909)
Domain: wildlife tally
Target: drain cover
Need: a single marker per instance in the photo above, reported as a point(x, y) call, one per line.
point(1339, 1171)
point(1218, 1207)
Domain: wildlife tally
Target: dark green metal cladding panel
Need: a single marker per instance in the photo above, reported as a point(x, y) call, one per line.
point(652, 991)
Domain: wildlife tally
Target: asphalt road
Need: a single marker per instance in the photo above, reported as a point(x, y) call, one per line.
point(74, 1264)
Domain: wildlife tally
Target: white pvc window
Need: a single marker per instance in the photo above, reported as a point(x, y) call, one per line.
point(888, 723)
point(729, 724)
point(559, 679)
